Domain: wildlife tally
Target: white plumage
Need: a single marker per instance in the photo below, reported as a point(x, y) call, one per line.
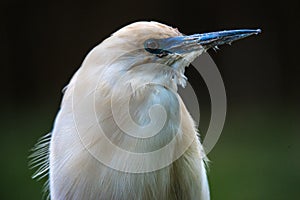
point(77, 143)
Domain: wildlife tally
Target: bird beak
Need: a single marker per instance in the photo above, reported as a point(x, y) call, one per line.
point(190, 43)
point(213, 39)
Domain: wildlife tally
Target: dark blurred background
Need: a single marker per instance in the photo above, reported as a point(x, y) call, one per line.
point(257, 156)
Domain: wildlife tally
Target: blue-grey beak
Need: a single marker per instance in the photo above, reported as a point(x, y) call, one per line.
point(189, 43)
point(208, 40)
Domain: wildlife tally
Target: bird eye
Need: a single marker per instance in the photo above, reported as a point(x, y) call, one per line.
point(151, 44)
point(153, 47)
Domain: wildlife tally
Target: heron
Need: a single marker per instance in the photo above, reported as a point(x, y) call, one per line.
point(123, 131)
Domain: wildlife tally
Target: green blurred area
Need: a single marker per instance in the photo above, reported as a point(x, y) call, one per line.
point(256, 157)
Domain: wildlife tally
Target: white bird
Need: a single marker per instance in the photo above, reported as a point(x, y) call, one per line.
point(122, 131)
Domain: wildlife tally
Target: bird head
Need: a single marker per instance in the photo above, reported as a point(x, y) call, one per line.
point(153, 51)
